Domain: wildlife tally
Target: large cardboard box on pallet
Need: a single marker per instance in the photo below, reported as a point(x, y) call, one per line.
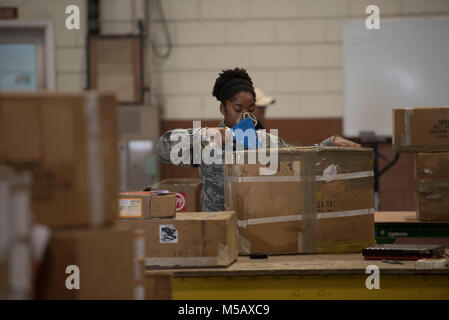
point(318, 200)
point(188, 193)
point(146, 205)
point(105, 260)
point(421, 129)
point(432, 186)
point(192, 239)
point(69, 143)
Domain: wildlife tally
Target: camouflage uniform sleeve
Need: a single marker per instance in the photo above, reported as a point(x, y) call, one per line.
point(270, 139)
point(329, 142)
point(166, 144)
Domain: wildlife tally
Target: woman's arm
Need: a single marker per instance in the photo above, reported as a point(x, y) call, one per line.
point(176, 146)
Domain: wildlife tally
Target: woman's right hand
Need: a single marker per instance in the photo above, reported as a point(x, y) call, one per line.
point(214, 132)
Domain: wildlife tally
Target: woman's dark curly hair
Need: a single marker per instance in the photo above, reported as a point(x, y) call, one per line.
point(230, 82)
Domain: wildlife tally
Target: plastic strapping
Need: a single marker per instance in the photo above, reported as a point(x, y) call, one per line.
point(299, 217)
point(308, 204)
point(93, 157)
point(407, 114)
point(341, 176)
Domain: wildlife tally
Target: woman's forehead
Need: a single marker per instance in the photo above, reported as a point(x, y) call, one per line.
point(243, 97)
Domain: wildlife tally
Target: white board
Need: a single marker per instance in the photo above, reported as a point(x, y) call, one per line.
point(404, 63)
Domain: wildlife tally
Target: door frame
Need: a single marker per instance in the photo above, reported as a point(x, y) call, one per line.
point(49, 45)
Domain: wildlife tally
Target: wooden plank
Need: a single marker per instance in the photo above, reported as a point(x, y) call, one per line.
point(400, 217)
point(313, 264)
point(395, 216)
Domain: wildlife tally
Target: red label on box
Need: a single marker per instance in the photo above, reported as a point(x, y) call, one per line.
point(180, 201)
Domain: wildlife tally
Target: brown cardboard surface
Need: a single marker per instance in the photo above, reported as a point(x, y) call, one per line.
point(190, 188)
point(421, 129)
point(432, 166)
point(158, 286)
point(47, 133)
point(4, 281)
point(146, 205)
point(200, 239)
point(432, 175)
point(105, 260)
point(296, 210)
point(433, 201)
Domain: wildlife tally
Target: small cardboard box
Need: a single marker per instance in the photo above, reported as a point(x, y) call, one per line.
point(432, 186)
point(318, 200)
point(188, 193)
point(146, 205)
point(424, 129)
point(103, 256)
point(192, 239)
point(69, 144)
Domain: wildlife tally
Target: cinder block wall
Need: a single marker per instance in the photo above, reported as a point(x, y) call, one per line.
point(70, 45)
point(291, 48)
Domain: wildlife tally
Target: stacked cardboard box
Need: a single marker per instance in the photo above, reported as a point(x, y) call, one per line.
point(191, 239)
point(69, 144)
point(317, 200)
point(174, 238)
point(147, 205)
point(432, 185)
point(15, 228)
point(425, 131)
point(188, 193)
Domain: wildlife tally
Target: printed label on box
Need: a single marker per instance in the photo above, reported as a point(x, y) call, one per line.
point(130, 208)
point(168, 233)
point(180, 201)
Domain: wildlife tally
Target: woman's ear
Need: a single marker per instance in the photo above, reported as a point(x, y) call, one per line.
point(222, 109)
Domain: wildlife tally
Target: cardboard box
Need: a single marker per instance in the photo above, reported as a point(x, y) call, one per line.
point(192, 239)
point(421, 129)
point(432, 167)
point(158, 286)
point(4, 280)
point(146, 205)
point(319, 200)
point(432, 186)
point(188, 193)
point(69, 143)
point(104, 257)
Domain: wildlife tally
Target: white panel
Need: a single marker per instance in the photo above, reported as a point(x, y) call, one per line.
point(405, 63)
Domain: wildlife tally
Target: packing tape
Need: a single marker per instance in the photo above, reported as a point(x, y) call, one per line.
point(408, 112)
point(93, 157)
point(299, 217)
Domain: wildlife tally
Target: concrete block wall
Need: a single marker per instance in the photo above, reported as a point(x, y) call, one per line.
point(291, 48)
point(70, 45)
